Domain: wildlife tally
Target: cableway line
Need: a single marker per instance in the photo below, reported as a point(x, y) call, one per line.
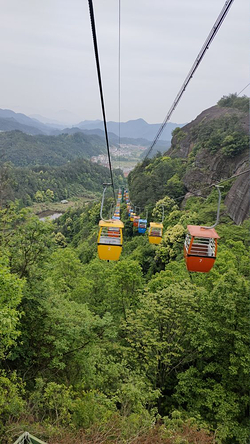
point(198, 59)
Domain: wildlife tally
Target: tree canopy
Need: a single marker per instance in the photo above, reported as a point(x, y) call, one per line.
point(85, 343)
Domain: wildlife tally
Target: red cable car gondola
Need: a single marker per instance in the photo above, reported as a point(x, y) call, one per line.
point(136, 221)
point(200, 245)
point(200, 248)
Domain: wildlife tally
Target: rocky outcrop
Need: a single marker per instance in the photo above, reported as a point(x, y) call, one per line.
point(238, 199)
point(182, 148)
point(209, 168)
point(206, 168)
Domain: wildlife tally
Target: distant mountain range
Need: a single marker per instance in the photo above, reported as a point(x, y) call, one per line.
point(9, 121)
point(133, 129)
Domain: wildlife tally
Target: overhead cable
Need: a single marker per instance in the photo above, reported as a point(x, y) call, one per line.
point(214, 184)
point(198, 59)
point(209, 186)
point(242, 90)
point(119, 79)
point(92, 20)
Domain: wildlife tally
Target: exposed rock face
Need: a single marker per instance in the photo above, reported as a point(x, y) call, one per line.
point(208, 168)
point(238, 199)
point(212, 168)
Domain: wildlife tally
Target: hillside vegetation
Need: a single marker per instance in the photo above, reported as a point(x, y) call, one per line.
point(214, 146)
point(90, 348)
point(25, 150)
point(136, 351)
point(45, 183)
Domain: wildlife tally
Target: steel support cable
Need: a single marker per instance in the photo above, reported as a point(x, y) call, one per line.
point(198, 59)
point(105, 186)
point(102, 203)
point(213, 185)
point(242, 90)
point(92, 20)
point(209, 186)
point(119, 80)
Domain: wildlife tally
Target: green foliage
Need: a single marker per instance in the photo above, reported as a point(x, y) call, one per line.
point(39, 196)
point(49, 195)
point(150, 183)
point(223, 133)
point(52, 183)
point(92, 407)
point(60, 240)
point(175, 187)
point(124, 286)
point(171, 245)
point(140, 250)
point(53, 401)
point(178, 134)
point(163, 208)
point(64, 270)
point(183, 429)
point(71, 330)
point(104, 349)
point(29, 245)
point(157, 332)
point(22, 149)
point(233, 101)
point(11, 399)
point(234, 144)
point(10, 297)
point(216, 386)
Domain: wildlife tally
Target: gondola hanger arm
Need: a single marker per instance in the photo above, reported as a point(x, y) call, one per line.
point(218, 208)
point(105, 186)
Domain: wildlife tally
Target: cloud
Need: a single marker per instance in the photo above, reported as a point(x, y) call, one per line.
point(47, 51)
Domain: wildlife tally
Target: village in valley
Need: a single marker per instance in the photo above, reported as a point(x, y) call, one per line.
point(124, 156)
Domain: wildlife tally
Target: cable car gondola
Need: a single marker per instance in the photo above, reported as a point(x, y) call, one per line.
point(142, 226)
point(200, 245)
point(131, 216)
point(155, 232)
point(109, 242)
point(136, 221)
point(200, 248)
point(110, 239)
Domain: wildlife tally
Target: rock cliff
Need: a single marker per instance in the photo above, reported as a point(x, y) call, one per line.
point(215, 146)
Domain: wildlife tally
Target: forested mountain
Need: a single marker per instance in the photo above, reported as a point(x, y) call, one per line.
point(41, 183)
point(113, 138)
point(137, 351)
point(32, 166)
point(161, 146)
point(25, 150)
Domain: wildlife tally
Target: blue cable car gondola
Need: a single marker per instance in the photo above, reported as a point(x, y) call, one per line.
point(142, 226)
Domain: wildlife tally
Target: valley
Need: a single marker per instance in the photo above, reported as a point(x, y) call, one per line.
point(124, 157)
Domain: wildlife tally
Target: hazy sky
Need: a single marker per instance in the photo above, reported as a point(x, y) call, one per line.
point(48, 65)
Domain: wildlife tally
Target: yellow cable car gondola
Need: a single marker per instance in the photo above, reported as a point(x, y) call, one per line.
point(131, 216)
point(155, 232)
point(110, 239)
point(109, 243)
